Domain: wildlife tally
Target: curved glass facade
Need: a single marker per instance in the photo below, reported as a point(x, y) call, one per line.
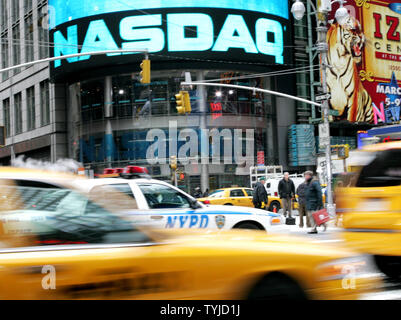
point(118, 121)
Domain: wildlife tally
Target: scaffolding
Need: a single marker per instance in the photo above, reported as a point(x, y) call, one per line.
point(269, 172)
point(257, 172)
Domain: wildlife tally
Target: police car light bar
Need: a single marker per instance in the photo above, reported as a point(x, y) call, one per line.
point(132, 172)
point(129, 172)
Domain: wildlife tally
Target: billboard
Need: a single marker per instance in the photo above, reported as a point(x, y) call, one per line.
point(365, 59)
point(201, 31)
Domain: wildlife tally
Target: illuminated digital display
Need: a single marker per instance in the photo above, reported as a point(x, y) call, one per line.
point(67, 10)
point(172, 30)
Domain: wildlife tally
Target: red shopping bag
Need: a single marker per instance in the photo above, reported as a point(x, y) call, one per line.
point(321, 217)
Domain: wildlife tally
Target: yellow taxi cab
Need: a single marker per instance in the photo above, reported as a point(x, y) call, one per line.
point(238, 197)
point(59, 243)
point(371, 207)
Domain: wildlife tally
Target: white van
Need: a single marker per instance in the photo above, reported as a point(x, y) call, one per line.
point(272, 185)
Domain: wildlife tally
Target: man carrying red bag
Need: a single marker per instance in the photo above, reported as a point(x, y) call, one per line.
point(314, 202)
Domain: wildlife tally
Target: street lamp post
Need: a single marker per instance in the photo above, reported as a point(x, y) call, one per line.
point(298, 11)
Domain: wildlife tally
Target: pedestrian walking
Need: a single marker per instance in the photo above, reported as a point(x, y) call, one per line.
point(301, 192)
point(286, 190)
point(260, 194)
point(314, 199)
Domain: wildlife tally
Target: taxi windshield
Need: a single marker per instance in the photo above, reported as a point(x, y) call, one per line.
point(383, 171)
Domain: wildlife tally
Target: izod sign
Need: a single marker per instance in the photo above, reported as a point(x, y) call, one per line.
point(172, 30)
point(385, 30)
point(366, 57)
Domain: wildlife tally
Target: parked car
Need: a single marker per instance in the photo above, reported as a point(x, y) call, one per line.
point(162, 205)
point(238, 197)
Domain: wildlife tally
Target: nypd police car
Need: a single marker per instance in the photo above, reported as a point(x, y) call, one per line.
point(161, 205)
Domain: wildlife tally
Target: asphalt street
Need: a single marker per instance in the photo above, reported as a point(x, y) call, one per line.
point(390, 289)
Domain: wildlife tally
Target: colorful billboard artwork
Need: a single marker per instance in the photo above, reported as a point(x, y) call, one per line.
point(365, 59)
point(348, 95)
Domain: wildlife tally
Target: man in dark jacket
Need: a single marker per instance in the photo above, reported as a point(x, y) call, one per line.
point(259, 193)
point(314, 199)
point(286, 190)
point(301, 192)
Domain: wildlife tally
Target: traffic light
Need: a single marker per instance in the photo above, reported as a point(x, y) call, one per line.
point(187, 101)
point(183, 102)
point(145, 71)
point(173, 162)
point(179, 97)
point(343, 151)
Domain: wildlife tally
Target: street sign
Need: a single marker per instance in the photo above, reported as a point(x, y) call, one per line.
point(315, 120)
point(322, 97)
point(324, 136)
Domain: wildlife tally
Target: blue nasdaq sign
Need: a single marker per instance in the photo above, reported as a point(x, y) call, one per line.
point(170, 30)
point(67, 10)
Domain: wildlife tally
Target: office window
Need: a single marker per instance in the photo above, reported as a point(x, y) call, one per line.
point(43, 33)
point(14, 10)
point(44, 103)
point(6, 115)
point(16, 47)
point(4, 58)
point(30, 106)
point(29, 39)
point(3, 14)
point(17, 113)
point(27, 6)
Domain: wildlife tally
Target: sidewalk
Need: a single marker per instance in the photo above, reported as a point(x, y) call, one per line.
point(331, 234)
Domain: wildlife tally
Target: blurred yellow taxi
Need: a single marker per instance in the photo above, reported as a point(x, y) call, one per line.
point(238, 197)
point(59, 243)
point(371, 208)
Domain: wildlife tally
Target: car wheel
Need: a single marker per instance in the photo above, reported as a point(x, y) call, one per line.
point(228, 204)
point(248, 225)
point(277, 286)
point(274, 204)
point(389, 265)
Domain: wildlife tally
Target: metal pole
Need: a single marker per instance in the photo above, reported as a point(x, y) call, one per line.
point(68, 56)
point(12, 150)
point(310, 53)
point(201, 93)
point(254, 89)
point(108, 108)
point(323, 49)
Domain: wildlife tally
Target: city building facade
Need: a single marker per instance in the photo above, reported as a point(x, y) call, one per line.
point(32, 108)
point(95, 109)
